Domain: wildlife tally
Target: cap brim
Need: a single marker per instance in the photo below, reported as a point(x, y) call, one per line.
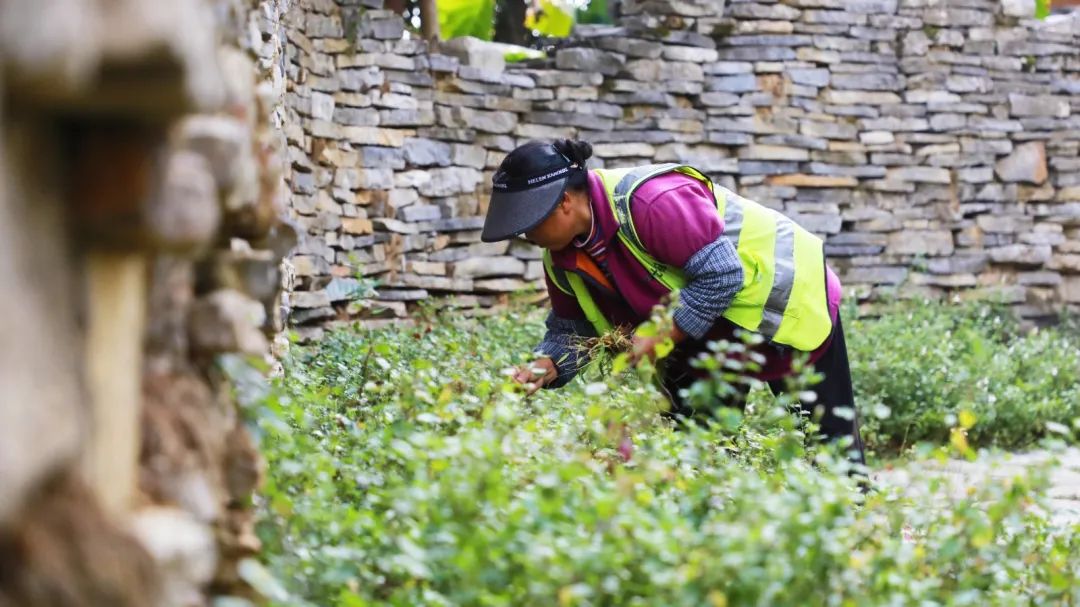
point(513, 213)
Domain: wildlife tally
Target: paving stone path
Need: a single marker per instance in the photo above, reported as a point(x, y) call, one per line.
point(960, 475)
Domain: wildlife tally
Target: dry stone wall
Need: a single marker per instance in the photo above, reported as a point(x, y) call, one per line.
point(933, 143)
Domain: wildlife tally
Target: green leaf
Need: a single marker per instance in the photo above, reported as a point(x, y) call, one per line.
point(348, 598)
point(620, 363)
point(646, 329)
point(664, 348)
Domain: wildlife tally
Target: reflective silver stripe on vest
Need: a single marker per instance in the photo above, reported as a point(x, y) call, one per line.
point(733, 217)
point(783, 278)
point(628, 180)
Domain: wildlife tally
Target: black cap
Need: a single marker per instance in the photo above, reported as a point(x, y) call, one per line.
point(522, 201)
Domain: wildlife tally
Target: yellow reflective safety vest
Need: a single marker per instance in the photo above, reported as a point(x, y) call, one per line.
point(783, 296)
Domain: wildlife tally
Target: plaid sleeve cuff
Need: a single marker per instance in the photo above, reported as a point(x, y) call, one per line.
point(714, 276)
point(562, 343)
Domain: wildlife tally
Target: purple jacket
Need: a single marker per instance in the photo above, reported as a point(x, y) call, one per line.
point(675, 217)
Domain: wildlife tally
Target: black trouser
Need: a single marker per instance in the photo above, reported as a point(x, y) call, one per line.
point(833, 391)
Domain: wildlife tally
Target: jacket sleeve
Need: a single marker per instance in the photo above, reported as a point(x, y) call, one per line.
point(564, 344)
point(680, 227)
point(567, 328)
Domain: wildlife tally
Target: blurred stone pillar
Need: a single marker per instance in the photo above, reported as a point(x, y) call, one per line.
point(106, 202)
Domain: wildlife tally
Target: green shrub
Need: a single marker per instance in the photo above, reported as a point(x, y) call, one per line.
point(927, 363)
point(405, 470)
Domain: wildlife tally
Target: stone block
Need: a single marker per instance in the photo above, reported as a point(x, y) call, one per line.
point(419, 212)
point(920, 174)
point(427, 152)
point(1027, 163)
point(773, 152)
point(1039, 105)
point(812, 181)
point(860, 97)
point(590, 60)
point(478, 267)
point(921, 242)
point(866, 82)
point(828, 130)
point(1021, 255)
point(476, 53)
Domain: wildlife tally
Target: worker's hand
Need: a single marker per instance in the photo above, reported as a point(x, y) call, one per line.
point(536, 375)
point(654, 346)
point(644, 348)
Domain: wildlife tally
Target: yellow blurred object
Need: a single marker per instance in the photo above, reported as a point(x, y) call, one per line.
point(552, 19)
point(466, 18)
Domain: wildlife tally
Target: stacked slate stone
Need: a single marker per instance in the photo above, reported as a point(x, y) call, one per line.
point(390, 144)
point(933, 143)
point(639, 91)
point(1000, 135)
point(916, 137)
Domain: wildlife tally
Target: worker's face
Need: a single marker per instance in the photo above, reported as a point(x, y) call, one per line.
point(557, 231)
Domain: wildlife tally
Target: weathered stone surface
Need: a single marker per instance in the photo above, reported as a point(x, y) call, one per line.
point(739, 83)
point(920, 175)
point(449, 181)
point(810, 76)
point(381, 25)
point(960, 263)
point(357, 225)
point(183, 547)
point(228, 321)
point(819, 223)
point(1023, 255)
point(502, 285)
point(631, 47)
point(590, 60)
point(878, 275)
point(478, 267)
point(948, 122)
point(1027, 163)
point(869, 170)
point(1071, 193)
point(419, 212)
point(860, 97)
point(866, 82)
point(1039, 105)
point(921, 242)
point(812, 181)
point(796, 141)
point(753, 53)
point(690, 54)
point(427, 152)
point(187, 213)
point(828, 130)
point(1065, 262)
point(753, 10)
point(759, 167)
point(476, 53)
point(895, 125)
point(773, 152)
